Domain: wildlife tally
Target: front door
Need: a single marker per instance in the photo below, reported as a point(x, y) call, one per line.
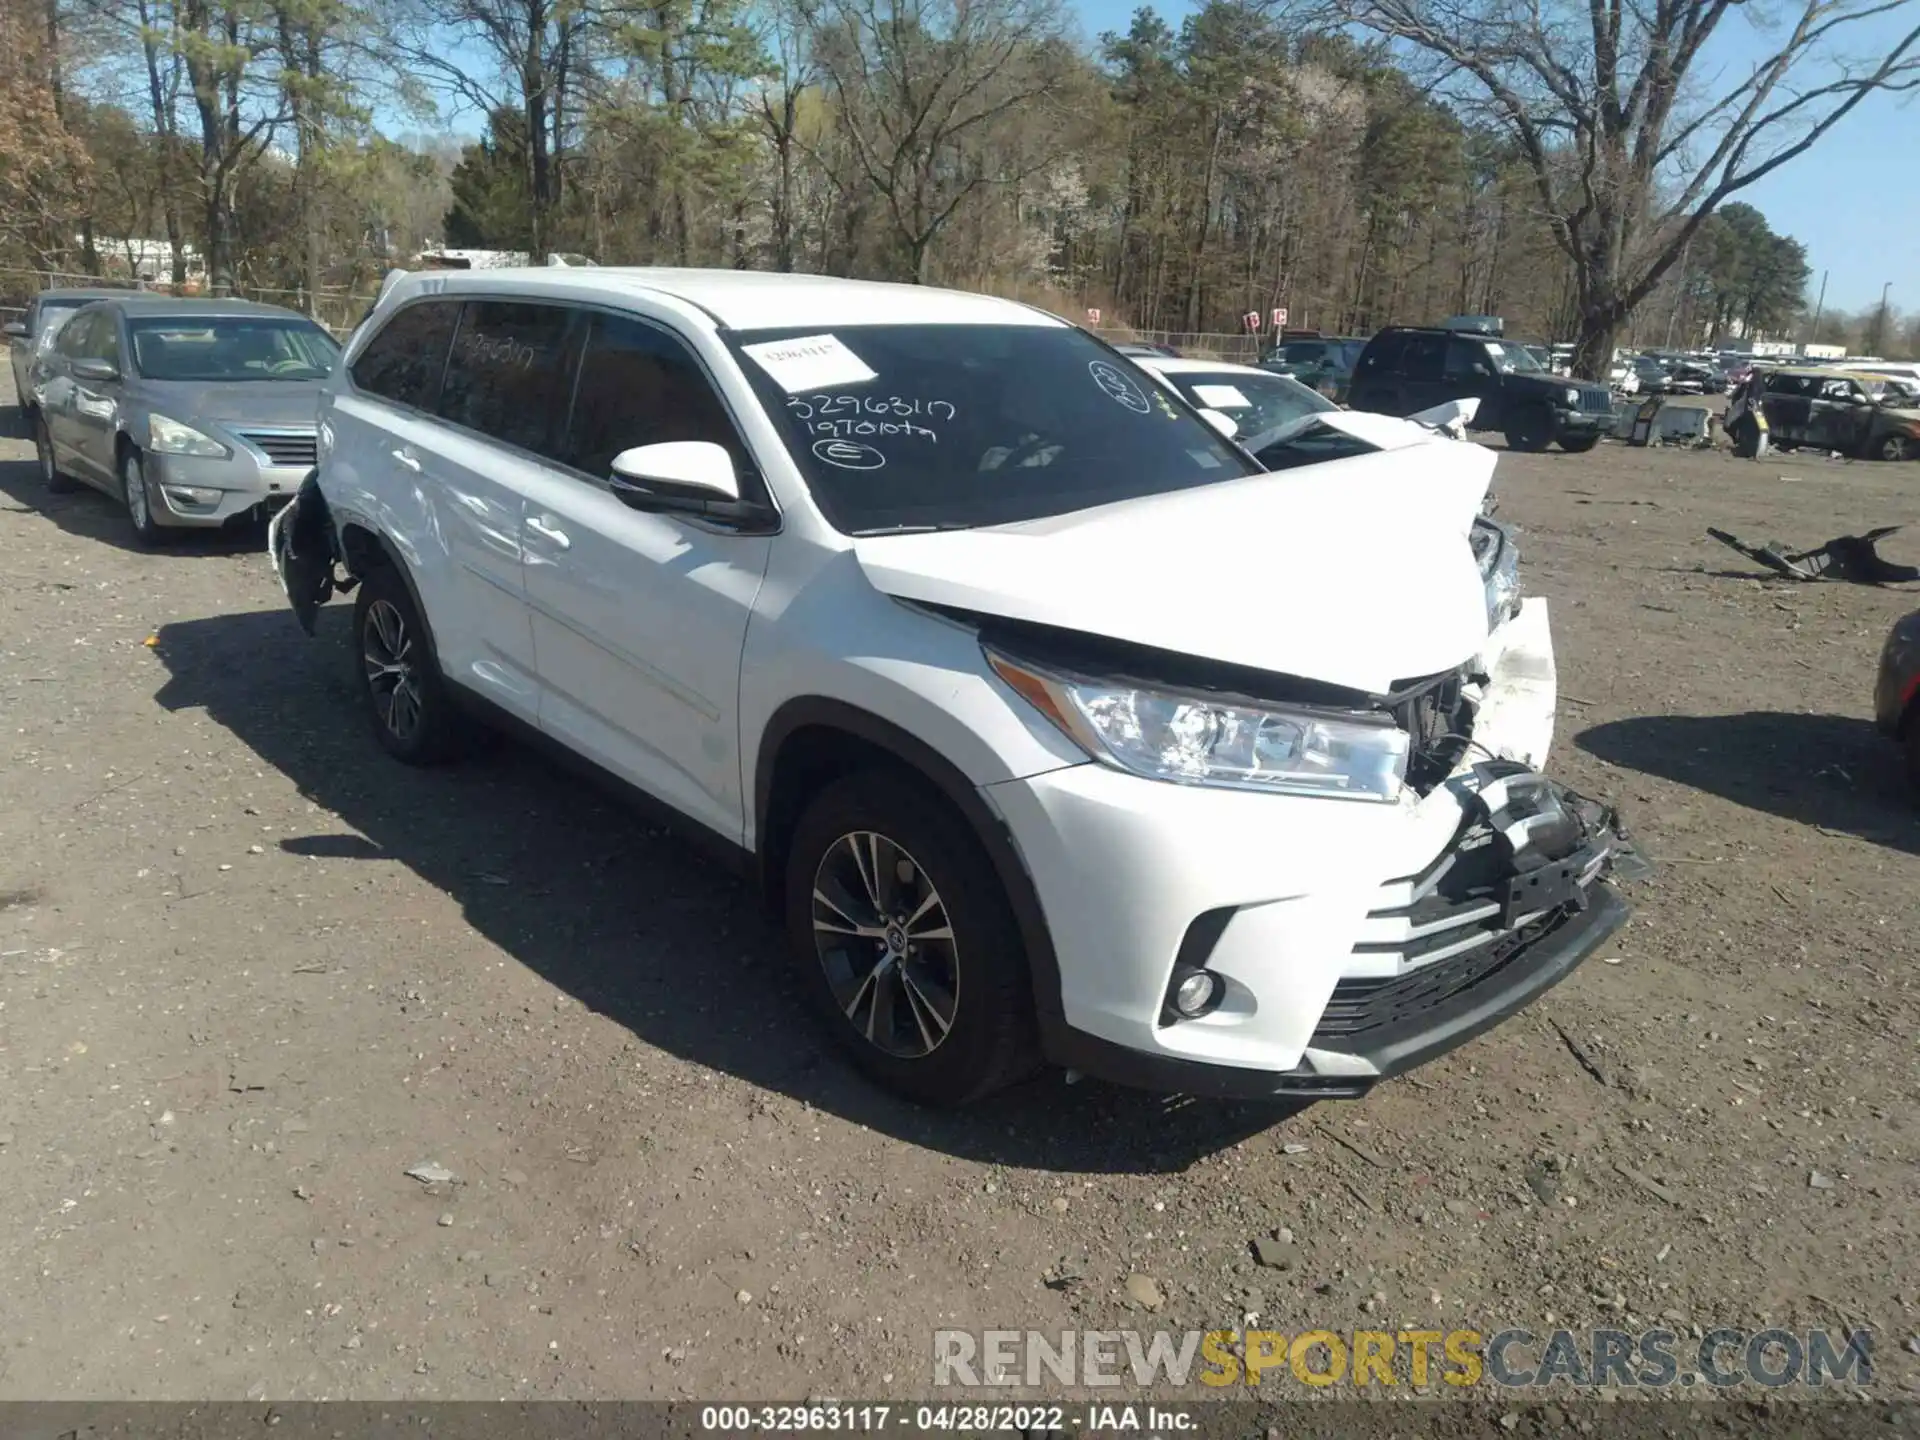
point(639, 619)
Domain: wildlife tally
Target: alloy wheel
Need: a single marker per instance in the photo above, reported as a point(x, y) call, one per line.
point(1895, 447)
point(387, 648)
point(886, 943)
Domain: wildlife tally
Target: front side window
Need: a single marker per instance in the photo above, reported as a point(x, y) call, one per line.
point(404, 362)
point(1466, 359)
point(75, 337)
point(639, 386)
point(952, 426)
point(509, 372)
point(1425, 357)
point(50, 314)
point(230, 348)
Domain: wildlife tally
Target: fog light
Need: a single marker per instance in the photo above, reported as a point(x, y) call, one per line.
point(1195, 993)
point(194, 496)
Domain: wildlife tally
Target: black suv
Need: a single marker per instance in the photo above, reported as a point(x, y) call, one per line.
point(1406, 369)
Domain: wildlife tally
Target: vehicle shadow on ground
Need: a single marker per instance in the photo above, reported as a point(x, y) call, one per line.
point(1832, 771)
point(621, 913)
point(88, 513)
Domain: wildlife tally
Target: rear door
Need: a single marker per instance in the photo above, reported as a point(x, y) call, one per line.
point(96, 403)
point(1376, 381)
point(1789, 409)
point(640, 618)
point(385, 460)
point(1423, 374)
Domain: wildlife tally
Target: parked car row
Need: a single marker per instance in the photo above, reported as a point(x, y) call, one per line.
point(194, 414)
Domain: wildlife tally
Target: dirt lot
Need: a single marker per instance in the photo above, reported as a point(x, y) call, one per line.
point(253, 972)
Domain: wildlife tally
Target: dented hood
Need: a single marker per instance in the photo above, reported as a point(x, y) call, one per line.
point(1357, 572)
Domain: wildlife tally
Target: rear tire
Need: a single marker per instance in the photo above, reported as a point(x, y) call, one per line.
point(938, 1009)
point(1891, 447)
point(1913, 754)
point(1531, 429)
point(409, 703)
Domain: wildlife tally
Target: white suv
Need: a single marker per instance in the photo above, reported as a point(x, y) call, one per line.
point(1056, 727)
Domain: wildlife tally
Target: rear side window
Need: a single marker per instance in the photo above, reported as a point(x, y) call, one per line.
point(510, 372)
point(403, 363)
point(640, 386)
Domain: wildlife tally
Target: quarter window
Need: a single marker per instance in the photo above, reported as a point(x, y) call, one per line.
point(404, 362)
point(509, 372)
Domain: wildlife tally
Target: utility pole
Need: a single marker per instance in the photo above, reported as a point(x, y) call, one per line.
point(1818, 306)
point(1880, 318)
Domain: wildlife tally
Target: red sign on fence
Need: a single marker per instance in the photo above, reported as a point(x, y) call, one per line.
point(1252, 318)
point(1093, 316)
point(1280, 318)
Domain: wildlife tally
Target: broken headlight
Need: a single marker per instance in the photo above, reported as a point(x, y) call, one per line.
point(1201, 740)
point(1499, 560)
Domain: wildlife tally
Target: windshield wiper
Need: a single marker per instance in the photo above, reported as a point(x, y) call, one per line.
point(911, 529)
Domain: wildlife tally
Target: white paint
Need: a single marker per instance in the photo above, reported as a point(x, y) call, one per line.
point(811, 362)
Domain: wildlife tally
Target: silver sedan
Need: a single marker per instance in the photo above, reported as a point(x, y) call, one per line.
point(192, 413)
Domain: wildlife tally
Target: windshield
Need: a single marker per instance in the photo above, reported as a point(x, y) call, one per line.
point(231, 347)
point(1258, 405)
point(1512, 359)
point(900, 427)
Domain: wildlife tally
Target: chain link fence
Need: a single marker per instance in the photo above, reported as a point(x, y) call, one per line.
point(1195, 345)
point(338, 308)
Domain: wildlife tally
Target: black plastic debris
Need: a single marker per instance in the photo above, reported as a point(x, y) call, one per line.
point(1847, 557)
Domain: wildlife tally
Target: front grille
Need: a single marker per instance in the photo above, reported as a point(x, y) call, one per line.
point(283, 447)
point(1595, 401)
point(1362, 1005)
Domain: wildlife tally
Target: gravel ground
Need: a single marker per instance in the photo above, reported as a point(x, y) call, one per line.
point(253, 972)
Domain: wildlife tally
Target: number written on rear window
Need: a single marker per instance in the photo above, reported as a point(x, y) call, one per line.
point(510, 371)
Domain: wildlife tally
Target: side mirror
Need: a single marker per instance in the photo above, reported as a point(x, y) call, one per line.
point(1220, 421)
point(678, 475)
point(15, 329)
point(99, 371)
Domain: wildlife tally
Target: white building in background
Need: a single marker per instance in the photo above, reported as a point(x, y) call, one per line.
point(142, 259)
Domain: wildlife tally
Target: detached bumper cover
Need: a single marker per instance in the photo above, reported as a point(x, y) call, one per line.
point(1506, 913)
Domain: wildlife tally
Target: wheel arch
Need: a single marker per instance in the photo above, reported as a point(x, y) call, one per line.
point(811, 740)
point(364, 549)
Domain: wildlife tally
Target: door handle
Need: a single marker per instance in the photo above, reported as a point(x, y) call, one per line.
point(408, 459)
point(549, 532)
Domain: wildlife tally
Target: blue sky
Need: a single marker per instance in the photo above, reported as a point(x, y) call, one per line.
point(1851, 200)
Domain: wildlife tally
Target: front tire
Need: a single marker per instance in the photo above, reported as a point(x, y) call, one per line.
point(1578, 444)
point(1892, 447)
point(1531, 429)
point(905, 940)
point(139, 501)
point(50, 476)
point(408, 702)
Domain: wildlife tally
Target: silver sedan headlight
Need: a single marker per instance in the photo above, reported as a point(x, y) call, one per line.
point(167, 436)
point(1201, 740)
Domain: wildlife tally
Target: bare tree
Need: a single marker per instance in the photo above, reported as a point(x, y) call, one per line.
point(541, 52)
point(1630, 141)
point(919, 81)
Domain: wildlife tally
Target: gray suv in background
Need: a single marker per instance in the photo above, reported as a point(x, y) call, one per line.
point(193, 413)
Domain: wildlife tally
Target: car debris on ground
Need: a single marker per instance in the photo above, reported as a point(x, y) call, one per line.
point(1845, 557)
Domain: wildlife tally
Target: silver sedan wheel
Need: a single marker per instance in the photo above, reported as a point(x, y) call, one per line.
point(387, 649)
point(135, 480)
point(886, 943)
